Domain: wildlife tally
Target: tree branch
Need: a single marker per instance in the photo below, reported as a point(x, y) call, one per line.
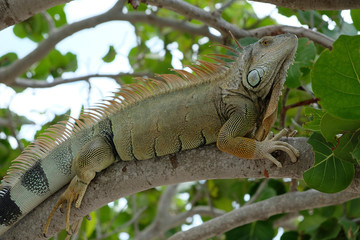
point(315, 5)
point(216, 21)
point(165, 221)
point(125, 178)
point(15, 11)
point(317, 37)
point(33, 83)
point(289, 202)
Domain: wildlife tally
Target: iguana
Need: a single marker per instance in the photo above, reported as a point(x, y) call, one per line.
point(233, 104)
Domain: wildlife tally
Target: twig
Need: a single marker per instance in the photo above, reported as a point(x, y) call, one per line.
point(301, 103)
point(33, 83)
point(225, 5)
point(258, 191)
point(13, 131)
point(49, 20)
point(117, 230)
point(134, 208)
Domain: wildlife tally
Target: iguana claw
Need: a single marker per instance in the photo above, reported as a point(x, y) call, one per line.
point(74, 193)
point(272, 143)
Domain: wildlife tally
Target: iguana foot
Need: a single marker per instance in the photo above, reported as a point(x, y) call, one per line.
point(93, 157)
point(74, 193)
point(264, 148)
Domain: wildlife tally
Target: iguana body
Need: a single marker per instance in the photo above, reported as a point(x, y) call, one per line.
point(234, 106)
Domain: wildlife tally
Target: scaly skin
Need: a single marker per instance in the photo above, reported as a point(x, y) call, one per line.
point(233, 106)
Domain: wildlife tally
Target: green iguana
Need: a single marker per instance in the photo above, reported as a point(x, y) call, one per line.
point(233, 104)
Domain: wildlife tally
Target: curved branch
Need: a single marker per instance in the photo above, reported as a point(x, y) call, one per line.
point(315, 5)
point(216, 21)
point(32, 83)
point(192, 12)
point(289, 202)
point(317, 37)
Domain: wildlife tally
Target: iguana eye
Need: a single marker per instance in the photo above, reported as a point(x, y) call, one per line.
point(265, 42)
point(253, 78)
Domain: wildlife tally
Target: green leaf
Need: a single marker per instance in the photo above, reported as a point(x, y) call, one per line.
point(33, 28)
point(260, 230)
point(293, 77)
point(222, 193)
point(304, 57)
point(329, 174)
point(19, 30)
point(314, 117)
point(111, 54)
point(55, 64)
point(247, 41)
point(355, 15)
point(327, 212)
point(266, 193)
point(352, 208)
point(350, 228)
point(91, 225)
point(294, 235)
point(310, 223)
point(58, 15)
point(345, 144)
point(327, 230)
point(331, 126)
point(336, 78)
point(7, 59)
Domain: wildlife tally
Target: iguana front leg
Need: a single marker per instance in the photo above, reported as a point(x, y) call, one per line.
point(93, 157)
point(230, 140)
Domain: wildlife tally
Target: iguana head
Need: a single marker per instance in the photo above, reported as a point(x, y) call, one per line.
point(264, 72)
point(266, 62)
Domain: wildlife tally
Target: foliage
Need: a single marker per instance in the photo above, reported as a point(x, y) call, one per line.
point(337, 138)
point(332, 124)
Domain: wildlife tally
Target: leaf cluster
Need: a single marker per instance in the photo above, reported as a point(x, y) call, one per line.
point(335, 80)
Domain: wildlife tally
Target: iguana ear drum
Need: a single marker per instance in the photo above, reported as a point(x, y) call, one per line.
point(253, 78)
